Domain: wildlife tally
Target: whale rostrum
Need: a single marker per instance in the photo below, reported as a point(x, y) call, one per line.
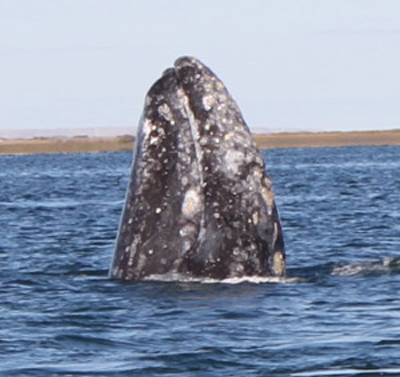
point(199, 202)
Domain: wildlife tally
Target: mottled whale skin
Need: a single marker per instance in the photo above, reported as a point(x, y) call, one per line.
point(199, 203)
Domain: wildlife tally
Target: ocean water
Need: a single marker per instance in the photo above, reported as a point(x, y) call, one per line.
point(337, 313)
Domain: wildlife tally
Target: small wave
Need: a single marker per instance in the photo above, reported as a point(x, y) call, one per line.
point(385, 266)
point(176, 277)
point(350, 372)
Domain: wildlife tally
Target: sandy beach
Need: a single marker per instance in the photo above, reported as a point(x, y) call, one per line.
point(81, 144)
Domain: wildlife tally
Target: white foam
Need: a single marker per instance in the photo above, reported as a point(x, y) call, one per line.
point(177, 277)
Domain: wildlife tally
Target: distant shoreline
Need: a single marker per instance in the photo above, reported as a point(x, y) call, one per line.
point(83, 144)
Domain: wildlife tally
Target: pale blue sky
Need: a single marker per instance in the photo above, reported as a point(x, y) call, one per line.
point(290, 64)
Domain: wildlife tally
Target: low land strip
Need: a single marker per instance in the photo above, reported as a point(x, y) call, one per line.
point(83, 144)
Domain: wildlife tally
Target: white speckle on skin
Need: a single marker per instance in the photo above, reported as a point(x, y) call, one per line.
point(148, 100)
point(146, 127)
point(222, 99)
point(217, 215)
point(150, 251)
point(158, 210)
point(141, 262)
point(185, 159)
point(130, 260)
point(255, 218)
point(275, 235)
point(187, 230)
point(279, 264)
point(127, 249)
point(184, 180)
point(257, 174)
point(229, 135)
point(208, 102)
point(154, 140)
point(186, 245)
point(219, 85)
point(130, 221)
point(239, 268)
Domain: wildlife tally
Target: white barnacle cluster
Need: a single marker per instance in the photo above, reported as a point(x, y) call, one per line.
point(187, 230)
point(191, 203)
point(233, 160)
point(156, 134)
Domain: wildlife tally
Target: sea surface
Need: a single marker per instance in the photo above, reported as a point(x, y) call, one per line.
point(336, 314)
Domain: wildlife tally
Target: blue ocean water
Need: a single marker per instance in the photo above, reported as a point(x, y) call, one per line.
point(337, 314)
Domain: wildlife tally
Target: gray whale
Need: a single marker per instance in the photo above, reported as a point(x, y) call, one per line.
point(199, 203)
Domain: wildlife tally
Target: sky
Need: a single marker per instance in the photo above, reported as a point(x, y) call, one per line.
point(291, 65)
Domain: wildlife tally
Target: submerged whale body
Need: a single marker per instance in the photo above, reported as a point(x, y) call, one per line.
point(199, 202)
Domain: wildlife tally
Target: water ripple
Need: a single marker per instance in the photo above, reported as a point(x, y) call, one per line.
point(336, 313)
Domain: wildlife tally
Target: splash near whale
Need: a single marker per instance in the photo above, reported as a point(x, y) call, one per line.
point(199, 203)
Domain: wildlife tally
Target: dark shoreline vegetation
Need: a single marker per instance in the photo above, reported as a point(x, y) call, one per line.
point(82, 144)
